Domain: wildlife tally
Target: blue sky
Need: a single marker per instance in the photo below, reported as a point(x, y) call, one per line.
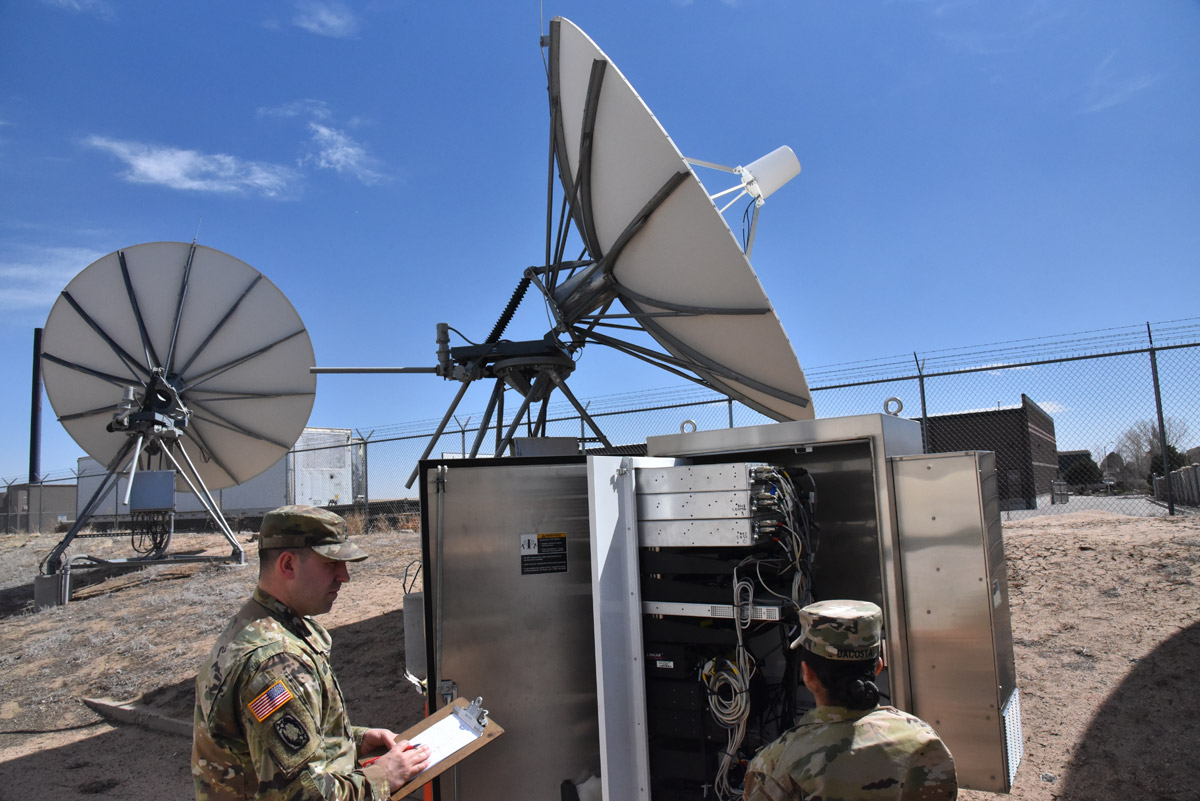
point(973, 171)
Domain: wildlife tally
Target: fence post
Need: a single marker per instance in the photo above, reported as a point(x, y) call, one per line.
point(462, 432)
point(582, 430)
point(924, 411)
point(1162, 429)
point(499, 422)
point(35, 412)
point(8, 499)
point(366, 478)
point(729, 401)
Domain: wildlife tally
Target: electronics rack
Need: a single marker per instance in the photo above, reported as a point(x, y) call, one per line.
point(725, 563)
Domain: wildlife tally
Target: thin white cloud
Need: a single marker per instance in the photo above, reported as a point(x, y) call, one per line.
point(99, 8)
point(33, 281)
point(1005, 367)
point(1108, 89)
point(336, 150)
point(326, 19)
point(979, 43)
point(329, 146)
point(1014, 32)
point(317, 109)
point(940, 8)
point(201, 172)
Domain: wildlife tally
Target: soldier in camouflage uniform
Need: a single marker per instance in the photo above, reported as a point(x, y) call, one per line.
point(270, 721)
point(849, 748)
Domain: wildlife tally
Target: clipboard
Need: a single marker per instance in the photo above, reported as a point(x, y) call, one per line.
point(457, 730)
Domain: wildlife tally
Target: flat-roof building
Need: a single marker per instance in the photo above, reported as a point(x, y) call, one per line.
point(31, 508)
point(1022, 437)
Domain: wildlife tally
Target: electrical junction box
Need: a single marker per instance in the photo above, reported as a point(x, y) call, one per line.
point(153, 491)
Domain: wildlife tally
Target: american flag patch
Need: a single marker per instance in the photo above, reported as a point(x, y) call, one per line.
point(274, 697)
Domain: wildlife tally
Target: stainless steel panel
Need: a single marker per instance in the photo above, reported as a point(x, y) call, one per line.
point(619, 651)
point(414, 635)
point(693, 478)
point(956, 600)
point(522, 641)
point(1006, 671)
point(691, 506)
point(545, 446)
point(695, 533)
point(694, 505)
point(896, 435)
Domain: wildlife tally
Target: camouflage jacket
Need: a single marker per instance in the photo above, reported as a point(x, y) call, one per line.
point(270, 721)
point(837, 754)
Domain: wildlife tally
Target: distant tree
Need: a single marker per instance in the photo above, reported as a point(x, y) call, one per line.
point(1175, 459)
point(1082, 472)
point(1140, 444)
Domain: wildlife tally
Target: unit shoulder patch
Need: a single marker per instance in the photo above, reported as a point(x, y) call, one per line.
point(291, 732)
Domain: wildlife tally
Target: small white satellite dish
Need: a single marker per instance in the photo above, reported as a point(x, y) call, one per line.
point(172, 355)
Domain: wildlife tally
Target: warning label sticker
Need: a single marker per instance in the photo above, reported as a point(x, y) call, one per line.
point(543, 553)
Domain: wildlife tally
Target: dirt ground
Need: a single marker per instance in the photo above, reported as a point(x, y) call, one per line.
point(1106, 622)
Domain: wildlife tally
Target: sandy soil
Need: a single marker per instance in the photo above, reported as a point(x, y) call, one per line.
point(1106, 619)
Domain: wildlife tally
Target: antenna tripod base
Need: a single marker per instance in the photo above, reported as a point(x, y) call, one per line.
point(52, 587)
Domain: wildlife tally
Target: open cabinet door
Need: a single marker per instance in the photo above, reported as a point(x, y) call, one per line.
point(617, 615)
point(508, 583)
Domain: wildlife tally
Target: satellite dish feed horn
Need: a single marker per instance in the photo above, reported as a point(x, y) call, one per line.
point(175, 356)
point(760, 179)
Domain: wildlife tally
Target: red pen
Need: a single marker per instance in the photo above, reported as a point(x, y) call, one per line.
point(373, 760)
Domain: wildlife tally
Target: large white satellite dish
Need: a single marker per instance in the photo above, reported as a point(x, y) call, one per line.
point(171, 355)
point(618, 163)
point(653, 239)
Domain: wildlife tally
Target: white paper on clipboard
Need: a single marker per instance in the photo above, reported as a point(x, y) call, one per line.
point(445, 737)
point(452, 733)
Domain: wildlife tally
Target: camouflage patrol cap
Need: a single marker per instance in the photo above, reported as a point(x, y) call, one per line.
point(841, 630)
point(309, 527)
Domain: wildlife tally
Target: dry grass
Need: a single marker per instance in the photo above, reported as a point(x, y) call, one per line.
point(130, 633)
point(1106, 623)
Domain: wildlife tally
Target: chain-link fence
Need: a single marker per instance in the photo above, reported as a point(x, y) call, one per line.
point(48, 505)
point(1077, 422)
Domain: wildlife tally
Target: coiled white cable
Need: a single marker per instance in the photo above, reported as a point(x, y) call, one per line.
point(729, 702)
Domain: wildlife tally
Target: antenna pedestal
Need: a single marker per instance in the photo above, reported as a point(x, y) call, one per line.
point(147, 432)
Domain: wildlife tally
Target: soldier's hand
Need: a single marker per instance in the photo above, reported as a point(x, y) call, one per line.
point(404, 761)
point(376, 740)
